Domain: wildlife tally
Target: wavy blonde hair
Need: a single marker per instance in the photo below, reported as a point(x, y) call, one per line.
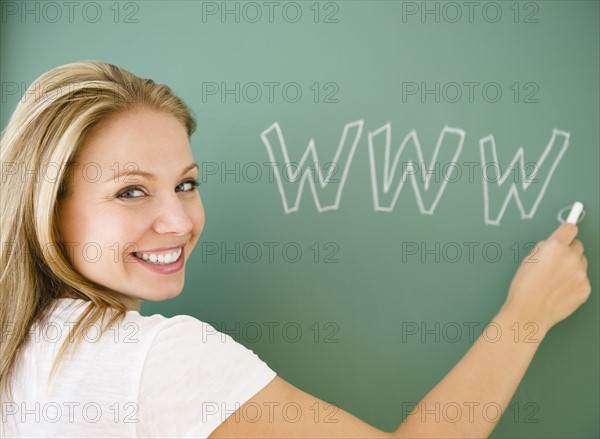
point(50, 124)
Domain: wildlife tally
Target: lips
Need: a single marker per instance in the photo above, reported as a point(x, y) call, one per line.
point(160, 258)
point(164, 267)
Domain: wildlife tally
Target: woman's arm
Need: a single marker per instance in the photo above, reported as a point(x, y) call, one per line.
point(544, 291)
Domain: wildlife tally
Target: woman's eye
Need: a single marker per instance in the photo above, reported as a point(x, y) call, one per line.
point(189, 185)
point(123, 194)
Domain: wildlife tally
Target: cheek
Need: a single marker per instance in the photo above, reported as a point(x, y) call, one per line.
point(196, 213)
point(93, 236)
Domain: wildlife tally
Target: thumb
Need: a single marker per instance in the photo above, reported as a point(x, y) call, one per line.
point(565, 233)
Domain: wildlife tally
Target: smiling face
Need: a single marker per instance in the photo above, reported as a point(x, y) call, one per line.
point(133, 233)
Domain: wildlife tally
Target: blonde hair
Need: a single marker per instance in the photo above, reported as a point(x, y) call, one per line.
point(50, 124)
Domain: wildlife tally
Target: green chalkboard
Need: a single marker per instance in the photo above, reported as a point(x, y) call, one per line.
point(357, 293)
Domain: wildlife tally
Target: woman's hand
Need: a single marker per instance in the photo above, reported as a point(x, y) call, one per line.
point(551, 282)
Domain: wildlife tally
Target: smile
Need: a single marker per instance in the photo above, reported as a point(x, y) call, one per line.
point(159, 259)
point(163, 263)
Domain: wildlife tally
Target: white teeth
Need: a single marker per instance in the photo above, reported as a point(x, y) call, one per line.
point(160, 259)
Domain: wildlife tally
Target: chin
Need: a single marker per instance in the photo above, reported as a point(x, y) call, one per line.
point(163, 296)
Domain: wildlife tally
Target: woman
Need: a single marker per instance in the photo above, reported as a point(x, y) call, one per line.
point(100, 211)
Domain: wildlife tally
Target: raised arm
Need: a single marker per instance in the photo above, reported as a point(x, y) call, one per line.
point(550, 284)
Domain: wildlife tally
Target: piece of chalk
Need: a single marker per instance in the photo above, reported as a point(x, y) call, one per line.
point(575, 213)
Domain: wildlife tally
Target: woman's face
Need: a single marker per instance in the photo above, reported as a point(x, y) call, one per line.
point(110, 222)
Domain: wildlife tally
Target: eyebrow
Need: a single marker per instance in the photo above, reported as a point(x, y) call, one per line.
point(148, 175)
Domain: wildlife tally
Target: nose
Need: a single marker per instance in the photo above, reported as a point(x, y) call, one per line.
point(173, 216)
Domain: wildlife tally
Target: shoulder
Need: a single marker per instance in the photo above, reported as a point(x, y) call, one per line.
point(66, 312)
point(198, 345)
point(194, 377)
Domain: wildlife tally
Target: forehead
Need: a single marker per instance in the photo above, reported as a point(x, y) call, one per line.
point(143, 136)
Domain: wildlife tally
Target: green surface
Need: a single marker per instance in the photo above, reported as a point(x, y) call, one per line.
point(367, 290)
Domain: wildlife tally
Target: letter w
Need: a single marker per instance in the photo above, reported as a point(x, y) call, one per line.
point(503, 190)
point(451, 138)
point(302, 173)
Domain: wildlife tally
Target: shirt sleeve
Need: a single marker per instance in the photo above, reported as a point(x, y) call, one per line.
point(194, 378)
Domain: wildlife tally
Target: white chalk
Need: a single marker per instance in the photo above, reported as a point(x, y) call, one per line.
point(575, 213)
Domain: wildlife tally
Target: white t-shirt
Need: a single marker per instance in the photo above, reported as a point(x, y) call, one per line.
point(145, 377)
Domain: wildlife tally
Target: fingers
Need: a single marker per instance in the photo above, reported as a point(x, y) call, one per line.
point(577, 246)
point(565, 233)
point(584, 262)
